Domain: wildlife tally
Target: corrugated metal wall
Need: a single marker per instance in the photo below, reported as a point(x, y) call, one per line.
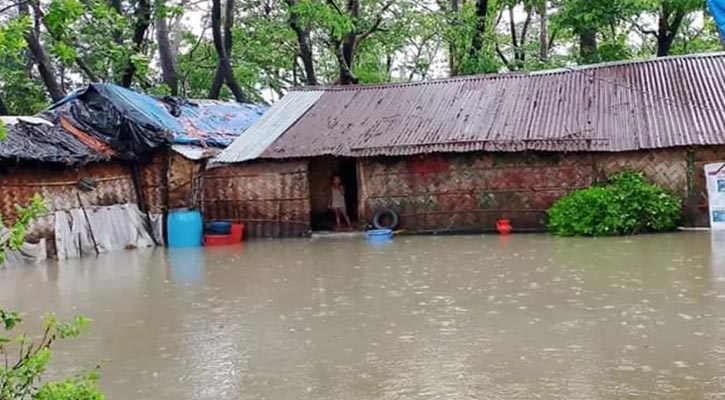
point(469, 192)
point(272, 199)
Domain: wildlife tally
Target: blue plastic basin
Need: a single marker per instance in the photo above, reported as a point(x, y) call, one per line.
point(220, 227)
point(379, 234)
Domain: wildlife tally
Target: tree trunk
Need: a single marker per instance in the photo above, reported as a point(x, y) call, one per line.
point(305, 44)
point(588, 46)
point(479, 35)
point(514, 39)
point(453, 58)
point(543, 32)
point(347, 47)
point(346, 58)
point(143, 20)
point(223, 47)
point(166, 52)
point(3, 107)
point(667, 31)
point(217, 83)
point(44, 63)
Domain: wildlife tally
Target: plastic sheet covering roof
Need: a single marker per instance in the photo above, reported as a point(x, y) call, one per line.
point(665, 102)
point(133, 123)
point(35, 139)
point(276, 121)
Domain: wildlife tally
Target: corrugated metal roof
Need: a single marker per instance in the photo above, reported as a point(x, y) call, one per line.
point(665, 102)
point(267, 129)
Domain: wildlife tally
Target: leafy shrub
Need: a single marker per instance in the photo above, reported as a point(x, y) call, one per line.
point(26, 361)
point(628, 204)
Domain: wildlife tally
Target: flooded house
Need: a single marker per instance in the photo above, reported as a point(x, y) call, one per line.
point(109, 162)
point(457, 154)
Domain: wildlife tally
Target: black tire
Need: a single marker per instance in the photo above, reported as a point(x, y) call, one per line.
point(392, 215)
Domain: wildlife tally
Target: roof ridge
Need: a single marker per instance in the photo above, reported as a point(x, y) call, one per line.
point(508, 75)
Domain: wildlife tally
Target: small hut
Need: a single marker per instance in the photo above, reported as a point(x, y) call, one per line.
point(457, 154)
point(109, 162)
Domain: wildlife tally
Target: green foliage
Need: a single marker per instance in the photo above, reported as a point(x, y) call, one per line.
point(83, 388)
point(626, 205)
point(402, 40)
point(324, 15)
point(19, 377)
point(13, 237)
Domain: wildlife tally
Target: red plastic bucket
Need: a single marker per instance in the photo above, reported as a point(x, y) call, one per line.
point(237, 232)
point(503, 226)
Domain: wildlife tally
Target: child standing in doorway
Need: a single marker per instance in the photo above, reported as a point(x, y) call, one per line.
point(337, 202)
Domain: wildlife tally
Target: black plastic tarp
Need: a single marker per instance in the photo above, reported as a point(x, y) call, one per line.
point(116, 116)
point(45, 143)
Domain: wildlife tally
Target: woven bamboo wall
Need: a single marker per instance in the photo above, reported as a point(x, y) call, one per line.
point(185, 180)
point(469, 192)
point(58, 187)
point(153, 182)
point(272, 199)
point(666, 167)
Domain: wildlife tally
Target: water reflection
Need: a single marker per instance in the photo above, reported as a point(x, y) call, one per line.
point(187, 265)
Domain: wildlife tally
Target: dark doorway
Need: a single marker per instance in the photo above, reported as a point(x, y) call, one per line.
point(321, 171)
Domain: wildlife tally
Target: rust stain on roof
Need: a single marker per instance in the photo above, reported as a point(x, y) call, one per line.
point(666, 102)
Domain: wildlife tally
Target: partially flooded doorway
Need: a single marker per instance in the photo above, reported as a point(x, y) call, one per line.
point(321, 172)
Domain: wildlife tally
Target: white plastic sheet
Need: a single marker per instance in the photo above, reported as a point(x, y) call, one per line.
point(114, 227)
point(27, 253)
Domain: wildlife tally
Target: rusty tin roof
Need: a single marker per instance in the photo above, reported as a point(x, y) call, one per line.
point(665, 102)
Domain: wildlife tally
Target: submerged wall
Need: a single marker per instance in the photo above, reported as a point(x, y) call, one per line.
point(57, 186)
point(468, 192)
point(272, 199)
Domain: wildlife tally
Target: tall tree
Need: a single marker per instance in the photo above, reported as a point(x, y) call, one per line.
point(167, 58)
point(541, 10)
point(589, 20)
point(3, 107)
point(142, 20)
point(518, 38)
point(670, 15)
point(223, 47)
point(304, 41)
point(45, 65)
point(480, 28)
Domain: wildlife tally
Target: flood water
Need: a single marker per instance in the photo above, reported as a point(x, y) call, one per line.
point(452, 317)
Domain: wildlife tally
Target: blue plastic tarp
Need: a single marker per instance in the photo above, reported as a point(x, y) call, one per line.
point(717, 9)
point(135, 123)
point(215, 123)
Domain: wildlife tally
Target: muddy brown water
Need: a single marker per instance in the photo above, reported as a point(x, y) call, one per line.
point(455, 317)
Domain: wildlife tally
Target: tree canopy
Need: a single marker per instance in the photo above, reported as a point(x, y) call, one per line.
point(251, 50)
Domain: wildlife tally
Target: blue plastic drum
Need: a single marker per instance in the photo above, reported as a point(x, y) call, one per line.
point(185, 228)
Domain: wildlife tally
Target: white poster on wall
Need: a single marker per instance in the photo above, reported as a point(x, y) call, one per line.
point(715, 175)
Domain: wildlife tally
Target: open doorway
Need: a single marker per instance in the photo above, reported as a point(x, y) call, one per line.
point(321, 171)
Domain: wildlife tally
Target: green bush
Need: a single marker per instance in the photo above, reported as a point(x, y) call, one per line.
point(626, 205)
